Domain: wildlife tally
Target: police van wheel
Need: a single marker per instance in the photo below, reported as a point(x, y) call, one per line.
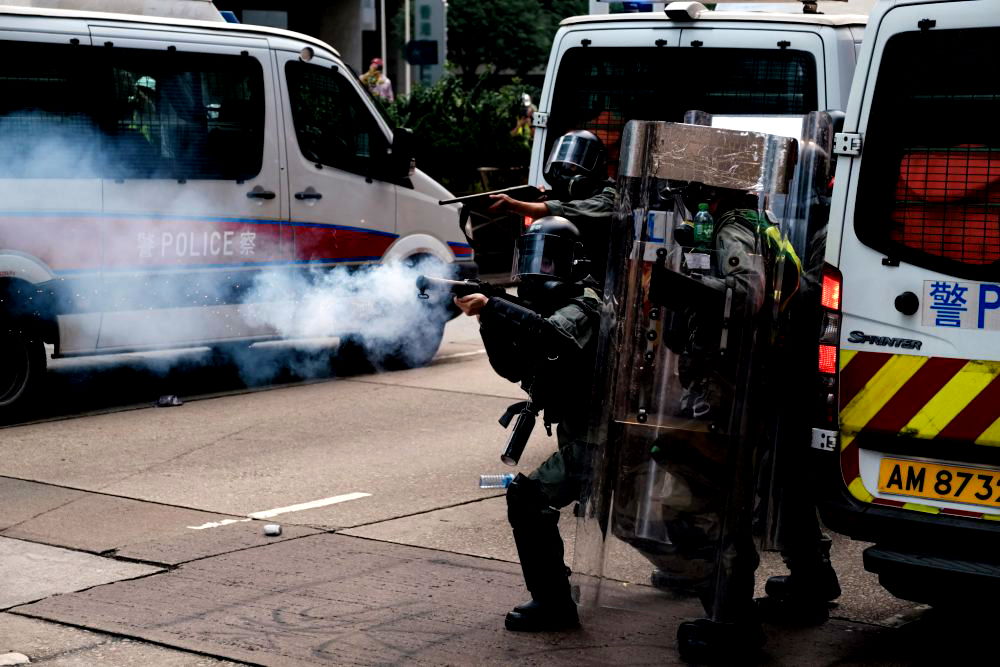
point(22, 367)
point(358, 354)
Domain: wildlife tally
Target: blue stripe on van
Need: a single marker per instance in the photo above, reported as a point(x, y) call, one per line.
point(193, 268)
point(204, 218)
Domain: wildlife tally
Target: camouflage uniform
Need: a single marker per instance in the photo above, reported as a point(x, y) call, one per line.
point(698, 470)
point(552, 356)
point(593, 218)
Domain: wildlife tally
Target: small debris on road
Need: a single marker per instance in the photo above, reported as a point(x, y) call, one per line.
point(169, 401)
point(272, 530)
point(13, 659)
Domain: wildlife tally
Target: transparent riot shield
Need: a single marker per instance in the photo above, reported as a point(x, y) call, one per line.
point(788, 515)
point(677, 412)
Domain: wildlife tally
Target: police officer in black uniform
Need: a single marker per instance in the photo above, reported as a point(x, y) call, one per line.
point(577, 170)
point(545, 339)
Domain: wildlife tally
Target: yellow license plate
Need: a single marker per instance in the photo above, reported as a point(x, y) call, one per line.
point(976, 486)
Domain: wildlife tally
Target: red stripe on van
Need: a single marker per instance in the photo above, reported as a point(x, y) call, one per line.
point(914, 395)
point(858, 371)
point(977, 416)
point(974, 515)
point(850, 464)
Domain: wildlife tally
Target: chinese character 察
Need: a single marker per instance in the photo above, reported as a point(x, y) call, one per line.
point(247, 242)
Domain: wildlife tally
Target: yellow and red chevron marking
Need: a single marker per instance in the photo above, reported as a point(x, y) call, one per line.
point(931, 398)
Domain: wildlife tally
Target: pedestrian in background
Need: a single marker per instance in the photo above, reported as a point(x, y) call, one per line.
point(377, 83)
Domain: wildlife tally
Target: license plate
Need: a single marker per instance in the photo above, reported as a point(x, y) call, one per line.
point(975, 486)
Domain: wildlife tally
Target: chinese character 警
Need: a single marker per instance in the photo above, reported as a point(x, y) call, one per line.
point(146, 244)
point(949, 303)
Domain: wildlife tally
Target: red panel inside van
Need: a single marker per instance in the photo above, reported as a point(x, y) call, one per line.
point(948, 203)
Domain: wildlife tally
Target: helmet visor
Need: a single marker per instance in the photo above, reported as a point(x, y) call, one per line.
point(573, 154)
point(545, 255)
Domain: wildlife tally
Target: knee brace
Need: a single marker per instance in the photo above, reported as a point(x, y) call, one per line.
point(527, 504)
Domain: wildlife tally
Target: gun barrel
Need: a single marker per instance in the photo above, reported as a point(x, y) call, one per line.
point(456, 287)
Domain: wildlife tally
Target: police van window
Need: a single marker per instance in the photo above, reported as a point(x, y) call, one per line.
point(47, 123)
point(929, 188)
point(184, 115)
point(332, 124)
point(600, 89)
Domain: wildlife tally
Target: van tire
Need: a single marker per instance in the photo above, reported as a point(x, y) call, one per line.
point(22, 368)
point(358, 354)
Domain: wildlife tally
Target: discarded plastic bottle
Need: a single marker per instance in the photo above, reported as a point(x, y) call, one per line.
point(496, 481)
point(704, 227)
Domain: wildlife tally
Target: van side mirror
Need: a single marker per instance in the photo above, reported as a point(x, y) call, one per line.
point(401, 154)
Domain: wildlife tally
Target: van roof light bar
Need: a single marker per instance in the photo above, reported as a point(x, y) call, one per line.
point(684, 11)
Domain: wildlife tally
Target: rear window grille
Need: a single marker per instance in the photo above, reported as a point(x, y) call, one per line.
point(948, 203)
point(929, 185)
point(600, 89)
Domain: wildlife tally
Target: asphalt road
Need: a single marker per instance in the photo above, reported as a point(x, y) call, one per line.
point(125, 529)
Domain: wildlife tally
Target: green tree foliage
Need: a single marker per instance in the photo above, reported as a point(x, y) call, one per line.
point(458, 128)
point(504, 34)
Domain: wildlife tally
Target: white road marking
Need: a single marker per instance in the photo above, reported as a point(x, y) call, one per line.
point(267, 514)
point(323, 502)
point(456, 355)
point(216, 524)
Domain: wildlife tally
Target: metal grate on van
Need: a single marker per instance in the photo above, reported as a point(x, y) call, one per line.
point(600, 89)
point(948, 203)
point(929, 183)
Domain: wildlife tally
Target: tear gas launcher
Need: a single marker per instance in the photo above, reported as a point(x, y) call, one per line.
point(456, 287)
point(481, 201)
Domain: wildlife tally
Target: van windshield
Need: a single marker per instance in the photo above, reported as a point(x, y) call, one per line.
point(929, 188)
point(600, 89)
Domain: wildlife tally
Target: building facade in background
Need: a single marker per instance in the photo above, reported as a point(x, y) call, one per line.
point(353, 27)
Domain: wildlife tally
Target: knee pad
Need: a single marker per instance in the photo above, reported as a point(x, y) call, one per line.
point(526, 502)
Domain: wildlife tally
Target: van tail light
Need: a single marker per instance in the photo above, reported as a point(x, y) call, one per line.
point(527, 221)
point(828, 349)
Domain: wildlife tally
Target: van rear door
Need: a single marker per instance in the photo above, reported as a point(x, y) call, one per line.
point(604, 78)
point(193, 202)
point(920, 259)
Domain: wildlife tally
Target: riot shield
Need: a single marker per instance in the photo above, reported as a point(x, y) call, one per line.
point(789, 521)
point(688, 321)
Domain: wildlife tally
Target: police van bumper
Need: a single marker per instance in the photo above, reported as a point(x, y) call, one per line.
point(929, 558)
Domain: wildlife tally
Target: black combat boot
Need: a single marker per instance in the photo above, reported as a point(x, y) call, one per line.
point(802, 597)
point(545, 616)
point(540, 549)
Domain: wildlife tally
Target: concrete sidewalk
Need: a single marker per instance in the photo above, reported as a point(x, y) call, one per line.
point(335, 599)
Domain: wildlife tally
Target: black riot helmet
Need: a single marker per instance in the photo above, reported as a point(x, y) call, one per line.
point(547, 251)
point(577, 164)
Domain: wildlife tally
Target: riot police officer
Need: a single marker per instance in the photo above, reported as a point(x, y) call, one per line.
point(577, 170)
point(545, 339)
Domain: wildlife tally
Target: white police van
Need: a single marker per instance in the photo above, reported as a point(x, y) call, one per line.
point(910, 346)
point(152, 166)
point(607, 69)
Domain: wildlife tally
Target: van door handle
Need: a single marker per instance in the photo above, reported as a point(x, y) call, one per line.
point(308, 195)
point(260, 193)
